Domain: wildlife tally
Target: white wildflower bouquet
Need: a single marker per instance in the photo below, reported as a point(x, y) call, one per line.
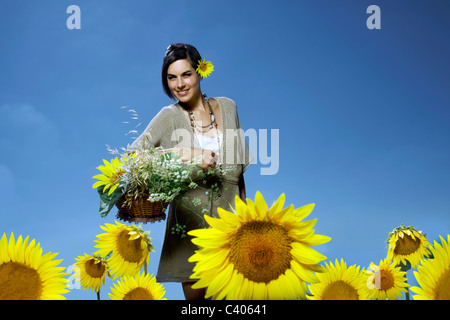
point(153, 175)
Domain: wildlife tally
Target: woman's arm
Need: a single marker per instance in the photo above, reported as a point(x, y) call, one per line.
point(241, 185)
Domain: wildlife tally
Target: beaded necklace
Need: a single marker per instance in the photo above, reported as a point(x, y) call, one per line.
point(206, 128)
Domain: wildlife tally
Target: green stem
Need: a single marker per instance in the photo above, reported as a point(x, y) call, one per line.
point(407, 289)
point(145, 267)
point(98, 295)
point(407, 292)
point(405, 267)
point(200, 215)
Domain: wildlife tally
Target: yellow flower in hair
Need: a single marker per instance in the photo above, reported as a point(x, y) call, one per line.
point(204, 68)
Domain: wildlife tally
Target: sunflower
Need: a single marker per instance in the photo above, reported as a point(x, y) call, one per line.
point(340, 283)
point(129, 247)
point(433, 275)
point(137, 287)
point(406, 244)
point(27, 274)
point(93, 270)
point(204, 68)
point(257, 252)
point(386, 281)
point(111, 175)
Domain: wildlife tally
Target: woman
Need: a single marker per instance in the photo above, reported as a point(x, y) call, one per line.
point(195, 127)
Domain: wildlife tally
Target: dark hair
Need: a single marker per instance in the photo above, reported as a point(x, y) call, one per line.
point(174, 52)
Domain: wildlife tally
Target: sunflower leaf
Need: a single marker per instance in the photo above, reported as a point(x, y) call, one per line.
point(108, 255)
point(108, 201)
point(404, 266)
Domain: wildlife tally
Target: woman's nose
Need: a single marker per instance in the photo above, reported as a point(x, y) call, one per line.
point(180, 83)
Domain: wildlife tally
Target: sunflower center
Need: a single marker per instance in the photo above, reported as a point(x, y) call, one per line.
point(138, 294)
point(443, 286)
point(406, 245)
point(130, 250)
point(19, 282)
point(95, 270)
point(261, 251)
point(384, 280)
point(340, 290)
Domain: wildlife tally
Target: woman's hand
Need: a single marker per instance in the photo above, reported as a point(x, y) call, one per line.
point(208, 158)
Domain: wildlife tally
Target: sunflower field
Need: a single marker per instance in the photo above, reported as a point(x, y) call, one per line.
point(253, 252)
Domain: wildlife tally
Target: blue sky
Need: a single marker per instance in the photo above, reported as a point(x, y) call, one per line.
point(362, 114)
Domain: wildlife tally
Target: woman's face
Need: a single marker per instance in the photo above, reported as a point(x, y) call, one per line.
point(183, 81)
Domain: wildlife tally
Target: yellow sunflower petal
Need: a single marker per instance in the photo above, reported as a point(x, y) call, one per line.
point(218, 224)
point(277, 206)
point(433, 275)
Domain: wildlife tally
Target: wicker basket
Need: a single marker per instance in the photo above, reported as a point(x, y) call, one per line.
point(141, 210)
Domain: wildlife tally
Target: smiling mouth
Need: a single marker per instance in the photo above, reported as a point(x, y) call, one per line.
point(183, 93)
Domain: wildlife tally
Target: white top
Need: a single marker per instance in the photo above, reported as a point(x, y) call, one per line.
point(208, 142)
